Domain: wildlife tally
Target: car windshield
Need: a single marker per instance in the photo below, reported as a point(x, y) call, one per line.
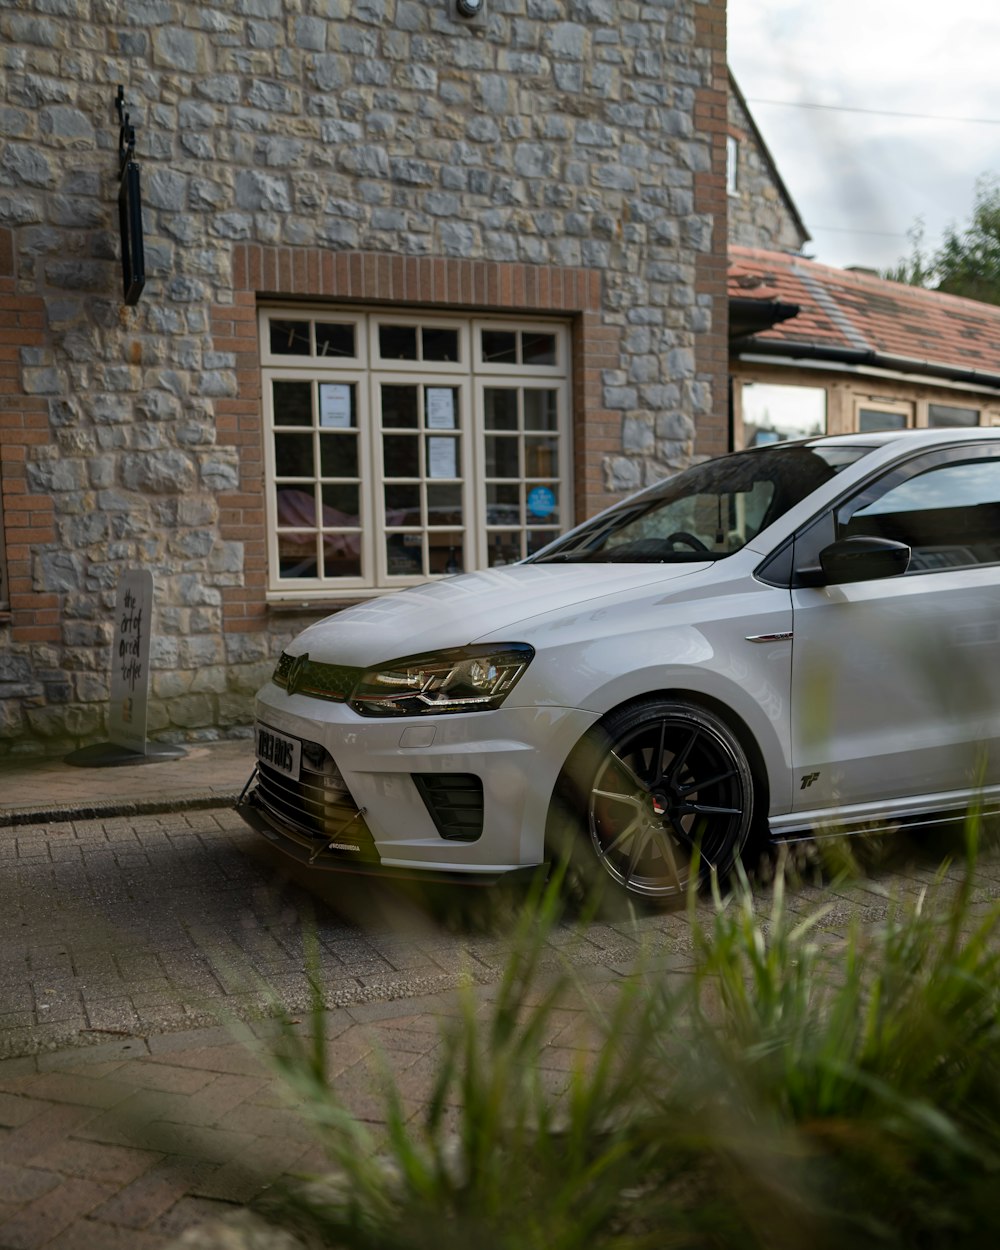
point(706, 512)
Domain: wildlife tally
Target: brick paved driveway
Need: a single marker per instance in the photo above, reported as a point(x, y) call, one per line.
point(135, 926)
point(127, 1112)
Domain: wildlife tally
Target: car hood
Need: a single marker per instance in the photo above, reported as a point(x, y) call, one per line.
point(459, 610)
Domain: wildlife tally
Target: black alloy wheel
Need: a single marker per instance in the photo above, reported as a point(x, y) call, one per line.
point(668, 777)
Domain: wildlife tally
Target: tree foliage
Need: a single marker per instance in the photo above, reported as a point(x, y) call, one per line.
point(968, 260)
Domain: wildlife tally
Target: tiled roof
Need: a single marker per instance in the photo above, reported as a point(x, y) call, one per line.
point(855, 312)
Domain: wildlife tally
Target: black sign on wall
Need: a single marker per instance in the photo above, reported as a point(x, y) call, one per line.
point(129, 208)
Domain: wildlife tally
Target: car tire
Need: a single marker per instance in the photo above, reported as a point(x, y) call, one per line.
point(650, 785)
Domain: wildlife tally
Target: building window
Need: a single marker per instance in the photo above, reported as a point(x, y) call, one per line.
point(872, 418)
point(946, 415)
point(773, 413)
point(732, 165)
point(401, 447)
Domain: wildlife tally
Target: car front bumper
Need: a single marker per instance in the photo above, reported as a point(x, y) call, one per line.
point(465, 793)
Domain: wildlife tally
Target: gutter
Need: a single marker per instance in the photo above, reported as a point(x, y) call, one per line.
point(875, 360)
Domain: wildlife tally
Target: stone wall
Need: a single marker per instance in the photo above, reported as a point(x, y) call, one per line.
point(304, 147)
point(760, 213)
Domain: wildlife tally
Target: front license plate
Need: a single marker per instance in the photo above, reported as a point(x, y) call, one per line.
point(282, 754)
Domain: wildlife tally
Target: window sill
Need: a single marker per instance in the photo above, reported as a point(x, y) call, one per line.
point(297, 606)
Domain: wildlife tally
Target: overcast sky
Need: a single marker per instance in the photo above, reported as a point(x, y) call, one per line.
point(860, 180)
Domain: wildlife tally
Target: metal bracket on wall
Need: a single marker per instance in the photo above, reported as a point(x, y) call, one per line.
point(126, 132)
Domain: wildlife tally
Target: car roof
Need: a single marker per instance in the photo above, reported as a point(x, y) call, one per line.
point(882, 438)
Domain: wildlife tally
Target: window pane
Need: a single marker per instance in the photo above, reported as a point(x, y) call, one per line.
point(293, 455)
point(948, 516)
point(397, 342)
point(504, 548)
point(501, 457)
point(339, 455)
point(500, 346)
point(440, 344)
point(945, 415)
point(290, 338)
point(773, 413)
point(537, 539)
point(872, 419)
point(297, 555)
point(446, 554)
point(292, 403)
point(402, 505)
point(444, 505)
point(538, 349)
point(341, 555)
point(296, 506)
point(500, 404)
point(541, 457)
point(340, 505)
point(399, 407)
point(541, 410)
point(333, 339)
point(503, 505)
point(401, 455)
point(404, 554)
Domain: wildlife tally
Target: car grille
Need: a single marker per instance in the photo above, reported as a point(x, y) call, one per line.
point(317, 809)
point(455, 802)
point(300, 675)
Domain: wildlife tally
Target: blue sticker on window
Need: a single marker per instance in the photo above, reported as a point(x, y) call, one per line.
point(541, 501)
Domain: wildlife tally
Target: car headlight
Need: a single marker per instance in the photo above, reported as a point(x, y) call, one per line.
point(464, 679)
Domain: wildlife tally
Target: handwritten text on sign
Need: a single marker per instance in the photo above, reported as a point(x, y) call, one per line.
point(130, 660)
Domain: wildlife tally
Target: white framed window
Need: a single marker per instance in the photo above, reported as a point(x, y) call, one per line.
point(401, 446)
point(732, 165)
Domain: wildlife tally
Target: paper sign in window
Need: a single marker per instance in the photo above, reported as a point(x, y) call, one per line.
point(441, 457)
point(335, 406)
point(440, 408)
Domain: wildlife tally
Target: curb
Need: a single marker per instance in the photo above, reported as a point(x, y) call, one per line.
point(201, 801)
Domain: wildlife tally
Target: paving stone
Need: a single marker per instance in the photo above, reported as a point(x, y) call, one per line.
point(96, 1160)
point(94, 1234)
point(54, 1124)
point(80, 1090)
point(43, 1219)
point(15, 1110)
point(147, 1198)
point(20, 1185)
point(260, 1165)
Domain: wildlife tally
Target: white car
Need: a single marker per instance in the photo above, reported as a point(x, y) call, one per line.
point(799, 636)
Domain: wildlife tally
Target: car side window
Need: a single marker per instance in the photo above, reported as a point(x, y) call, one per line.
point(948, 514)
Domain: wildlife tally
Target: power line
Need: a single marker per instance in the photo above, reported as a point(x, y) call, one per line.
point(882, 234)
point(844, 108)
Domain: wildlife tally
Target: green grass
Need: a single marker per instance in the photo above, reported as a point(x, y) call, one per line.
point(788, 1093)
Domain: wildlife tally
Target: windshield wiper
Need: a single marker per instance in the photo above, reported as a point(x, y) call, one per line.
point(565, 557)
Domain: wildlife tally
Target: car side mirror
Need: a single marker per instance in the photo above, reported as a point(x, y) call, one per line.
point(863, 559)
